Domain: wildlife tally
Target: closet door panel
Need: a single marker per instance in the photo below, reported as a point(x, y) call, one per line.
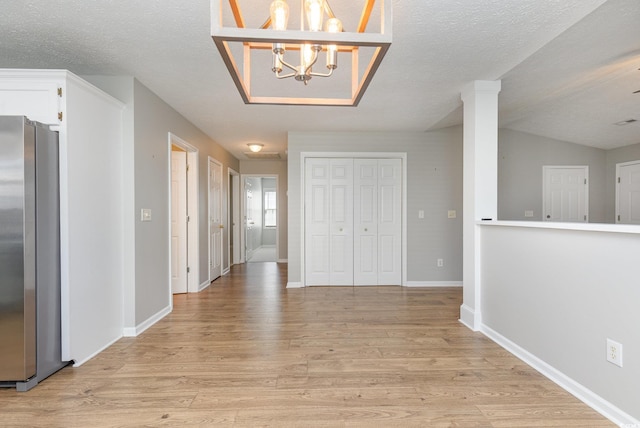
point(317, 222)
point(390, 222)
point(341, 222)
point(366, 222)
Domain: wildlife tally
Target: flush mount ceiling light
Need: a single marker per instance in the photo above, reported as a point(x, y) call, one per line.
point(255, 147)
point(298, 53)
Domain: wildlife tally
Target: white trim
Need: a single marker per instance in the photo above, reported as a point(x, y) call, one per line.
point(193, 237)
point(226, 270)
point(294, 285)
point(211, 160)
point(143, 326)
point(593, 227)
point(468, 317)
point(204, 285)
point(433, 284)
point(77, 363)
point(243, 212)
point(359, 155)
point(233, 193)
point(582, 393)
point(283, 261)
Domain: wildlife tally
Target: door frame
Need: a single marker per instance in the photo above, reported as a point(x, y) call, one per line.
point(545, 171)
point(359, 155)
point(243, 216)
point(193, 254)
point(223, 216)
point(233, 203)
point(617, 206)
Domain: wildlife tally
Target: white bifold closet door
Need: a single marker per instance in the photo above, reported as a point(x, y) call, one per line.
point(377, 222)
point(329, 221)
point(353, 222)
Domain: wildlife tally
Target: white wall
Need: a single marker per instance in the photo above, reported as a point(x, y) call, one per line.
point(434, 175)
point(146, 179)
point(559, 294)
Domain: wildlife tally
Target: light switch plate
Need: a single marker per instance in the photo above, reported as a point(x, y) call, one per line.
point(528, 213)
point(421, 214)
point(145, 214)
point(451, 214)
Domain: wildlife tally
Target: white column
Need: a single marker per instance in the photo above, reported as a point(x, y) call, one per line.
point(480, 186)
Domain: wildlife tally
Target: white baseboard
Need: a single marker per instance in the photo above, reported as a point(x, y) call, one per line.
point(294, 285)
point(226, 271)
point(283, 260)
point(590, 398)
point(468, 317)
point(203, 285)
point(78, 363)
point(433, 284)
point(140, 328)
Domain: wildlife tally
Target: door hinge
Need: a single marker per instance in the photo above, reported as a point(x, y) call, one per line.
point(187, 167)
point(188, 219)
point(618, 217)
point(585, 217)
point(585, 181)
point(60, 92)
point(188, 269)
point(60, 116)
point(618, 180)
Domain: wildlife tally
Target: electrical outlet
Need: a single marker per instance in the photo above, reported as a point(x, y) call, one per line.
point(528, 213)
point(614, 352)
point(440, 262)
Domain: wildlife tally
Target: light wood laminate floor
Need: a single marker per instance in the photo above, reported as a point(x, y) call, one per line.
point(247, 352)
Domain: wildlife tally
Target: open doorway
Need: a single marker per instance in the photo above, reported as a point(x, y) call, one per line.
point(260, 213)
point(183, 191)
point(234, 218)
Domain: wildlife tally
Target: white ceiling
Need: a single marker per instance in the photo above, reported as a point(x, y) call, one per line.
point(568, 67)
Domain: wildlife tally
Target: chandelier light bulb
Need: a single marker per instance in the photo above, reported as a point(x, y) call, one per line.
point(279, 15)
point(333, 25)
point(314, 9)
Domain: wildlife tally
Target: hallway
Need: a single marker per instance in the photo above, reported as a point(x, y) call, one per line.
point(248, 352)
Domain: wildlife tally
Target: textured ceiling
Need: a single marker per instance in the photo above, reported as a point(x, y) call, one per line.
point(568, 67)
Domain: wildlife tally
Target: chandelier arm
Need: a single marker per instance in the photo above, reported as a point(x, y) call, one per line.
point(322, 74)
point(315, 59)
point(286, 64)
point(285, 75)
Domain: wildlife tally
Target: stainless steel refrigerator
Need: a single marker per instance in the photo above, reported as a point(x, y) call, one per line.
point(30, 323)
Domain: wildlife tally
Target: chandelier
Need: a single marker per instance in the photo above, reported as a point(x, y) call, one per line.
point(314, 11)
point(300, 54)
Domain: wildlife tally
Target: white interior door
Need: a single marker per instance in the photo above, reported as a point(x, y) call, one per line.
point(565, 193)
point(365, 246)
point(329, 221)
point(389, 222)
point(215, 219)
point(178, 222)
point(628, 193)
point(378, 222)
point(341, 222)
point(317, 222)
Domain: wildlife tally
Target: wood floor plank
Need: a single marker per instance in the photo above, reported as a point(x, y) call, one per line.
point(248, 352)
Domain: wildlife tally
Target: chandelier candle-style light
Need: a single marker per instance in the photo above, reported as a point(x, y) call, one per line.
point(314, 11)
point(321, 35)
